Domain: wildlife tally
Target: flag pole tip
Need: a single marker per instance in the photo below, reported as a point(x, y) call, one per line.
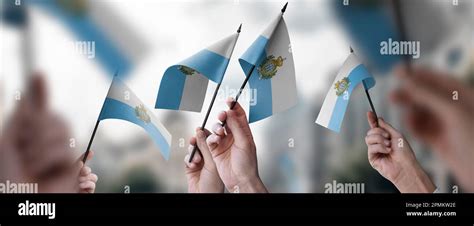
point(284, 8)
point(240, 28)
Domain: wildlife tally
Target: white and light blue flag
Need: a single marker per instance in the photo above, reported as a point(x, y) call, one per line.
point(274, 75)
point(184, 85)
point(352, 73)
point(122, 103)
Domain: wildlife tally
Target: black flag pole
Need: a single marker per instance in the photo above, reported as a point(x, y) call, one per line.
point(209, 110)
point(97, 124)
point(370, 101)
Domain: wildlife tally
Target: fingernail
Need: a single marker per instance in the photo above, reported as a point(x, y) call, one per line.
point(387, 142)
point(385, 135)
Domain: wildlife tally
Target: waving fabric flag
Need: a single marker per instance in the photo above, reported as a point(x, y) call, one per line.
point(121, 103)
point(349, 76)
point(184, 85)
point(273, 76)
point(368, 24)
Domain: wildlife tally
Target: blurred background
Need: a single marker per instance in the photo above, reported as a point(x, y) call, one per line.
point(142, 38)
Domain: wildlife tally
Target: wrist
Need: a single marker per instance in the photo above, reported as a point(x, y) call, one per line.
point(250, 185)
point(413, 179)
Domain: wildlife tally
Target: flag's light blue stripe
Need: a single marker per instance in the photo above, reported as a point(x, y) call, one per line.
point(114, 109)
point(108, 54)
point(254, 55)
point(209, 64)
point(171, 89)
point(357, 75)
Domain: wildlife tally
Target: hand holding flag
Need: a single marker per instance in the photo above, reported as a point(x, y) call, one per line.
point(269, 68)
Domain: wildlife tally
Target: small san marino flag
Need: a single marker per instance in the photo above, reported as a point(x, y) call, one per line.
point(273, 77)
point(349, 76)
point(122, 103)
point(184, 86)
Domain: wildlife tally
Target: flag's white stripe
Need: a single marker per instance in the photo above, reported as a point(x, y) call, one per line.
point(283, 83)
point(194, 92)
point(120, 92)
point(328, 106)
point(225, 47)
